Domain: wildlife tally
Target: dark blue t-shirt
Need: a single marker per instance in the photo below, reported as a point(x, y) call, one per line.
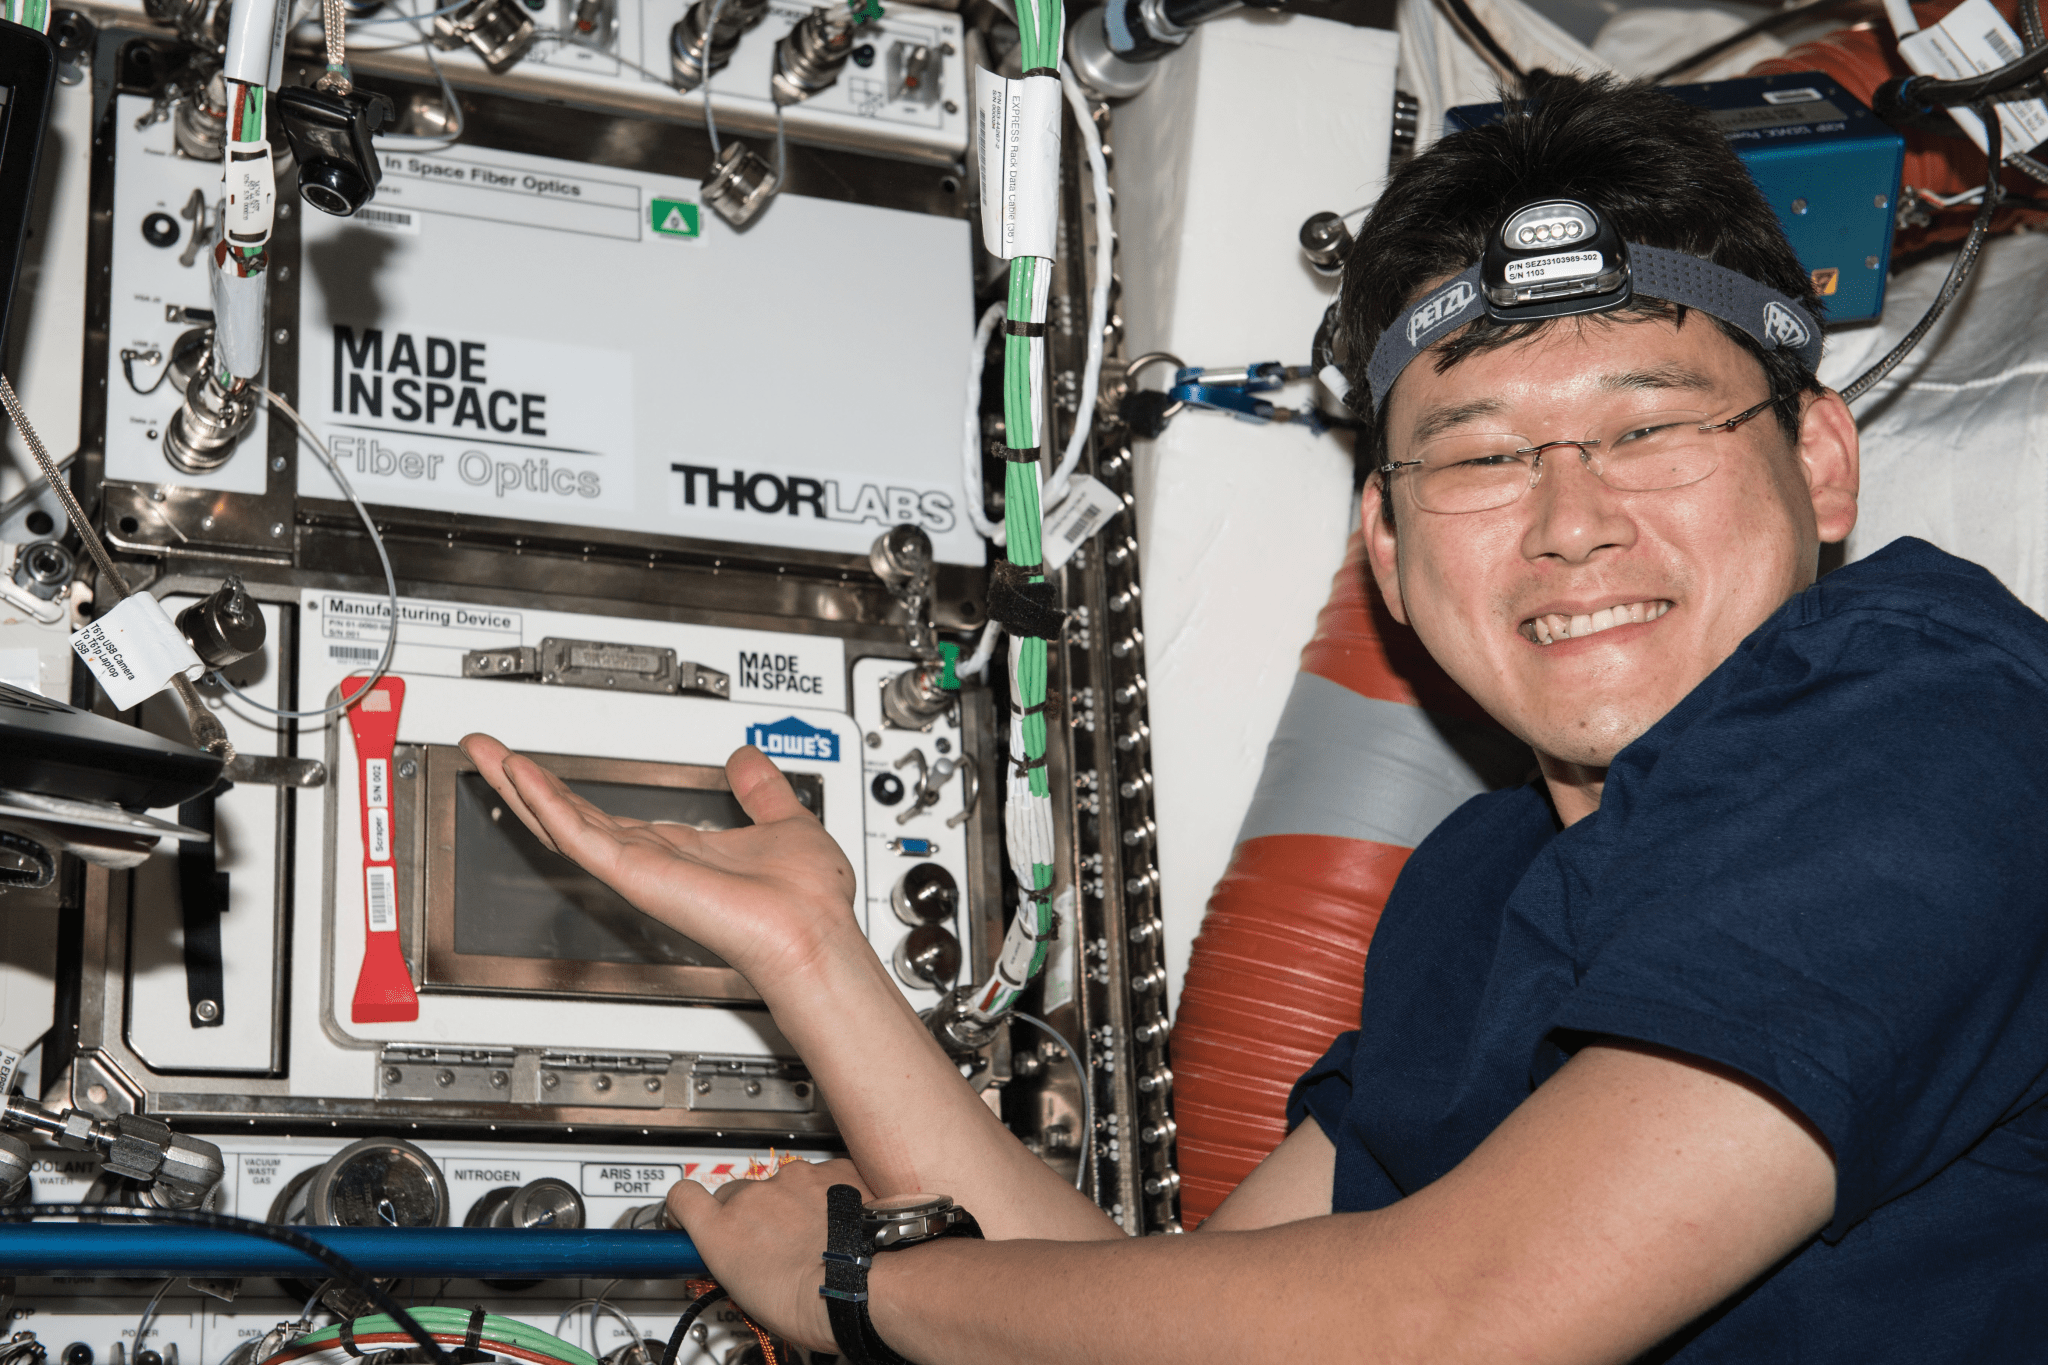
point(1827, 869)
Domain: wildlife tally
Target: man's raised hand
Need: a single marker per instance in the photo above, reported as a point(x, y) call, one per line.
point(767, 897)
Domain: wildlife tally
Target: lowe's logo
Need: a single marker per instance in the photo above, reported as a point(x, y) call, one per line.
point(793, 738)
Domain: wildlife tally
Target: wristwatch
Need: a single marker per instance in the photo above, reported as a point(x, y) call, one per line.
point(854, 1232)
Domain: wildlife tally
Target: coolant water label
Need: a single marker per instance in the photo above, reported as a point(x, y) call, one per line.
point(135, 650)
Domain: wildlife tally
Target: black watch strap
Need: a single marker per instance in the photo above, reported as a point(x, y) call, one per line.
point(849, 1253)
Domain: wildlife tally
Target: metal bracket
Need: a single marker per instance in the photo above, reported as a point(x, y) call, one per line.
point(596, 663)
point(751, 1083)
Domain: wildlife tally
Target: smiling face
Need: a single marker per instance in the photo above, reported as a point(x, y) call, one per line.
point(1578, 615)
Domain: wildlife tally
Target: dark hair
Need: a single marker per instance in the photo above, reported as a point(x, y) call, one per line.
point(1654, 167)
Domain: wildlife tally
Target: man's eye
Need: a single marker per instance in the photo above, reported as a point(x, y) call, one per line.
point(1496, 461)
point(1635, 434)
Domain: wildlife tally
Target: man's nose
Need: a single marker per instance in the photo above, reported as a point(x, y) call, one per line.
point(1572, 514)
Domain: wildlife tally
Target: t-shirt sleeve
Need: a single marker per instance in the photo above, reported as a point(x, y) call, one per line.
point(1860, 921)
point(1324, 1090)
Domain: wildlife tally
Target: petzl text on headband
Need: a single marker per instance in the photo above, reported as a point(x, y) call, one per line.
point(1556, 258)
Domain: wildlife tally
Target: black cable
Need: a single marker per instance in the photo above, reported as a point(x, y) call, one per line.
point(1958, 274)
point(1477, 32)
point(1742, 35)
point(690, 1315)
point(1932, 92)
point(42, 870)
point(298, 1241)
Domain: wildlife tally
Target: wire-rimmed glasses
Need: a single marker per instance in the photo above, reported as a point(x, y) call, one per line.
point(1635, 453)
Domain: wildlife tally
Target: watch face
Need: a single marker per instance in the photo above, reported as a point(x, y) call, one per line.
point(899, 1206)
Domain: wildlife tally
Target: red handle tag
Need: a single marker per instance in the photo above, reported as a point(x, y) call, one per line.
point(384, 992)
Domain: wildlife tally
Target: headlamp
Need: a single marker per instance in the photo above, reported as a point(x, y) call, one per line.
point(1555, 258)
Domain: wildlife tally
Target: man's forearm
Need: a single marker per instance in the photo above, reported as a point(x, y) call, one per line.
point(909, 1120)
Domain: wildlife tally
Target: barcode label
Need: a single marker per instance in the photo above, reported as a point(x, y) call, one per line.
point(380, 836)
point(1086, 509)
point(353, 654)
point(380, 886)
point(2002, 45)
point(391, 220)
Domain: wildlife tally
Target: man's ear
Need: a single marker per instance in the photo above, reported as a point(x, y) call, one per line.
point(1380, 546)
point(1832, 461)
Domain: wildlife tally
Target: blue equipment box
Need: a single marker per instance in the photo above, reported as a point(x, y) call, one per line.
point(1828, 167)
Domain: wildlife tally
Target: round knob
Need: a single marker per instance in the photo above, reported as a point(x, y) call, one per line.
point(379, 1182)
point(545, 1203)
point(928, 956)
point(926, 895)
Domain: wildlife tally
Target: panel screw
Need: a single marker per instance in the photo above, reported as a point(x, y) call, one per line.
point(206, 522)
point(549, 1080)
point(653, 1084)
point(156, 495)
point(408, 769)
point(499, 1080)
point(703, 1085)
point(444, 1078)
point(277, 463)
point(1799, 206)
point(874, 739)
point(1870, 262)
point(276, 529)
point(952, 107)
point(207, 1010)
point(601, 1084)
point(392, 1075)
point(1880, 201)
point(281, 335)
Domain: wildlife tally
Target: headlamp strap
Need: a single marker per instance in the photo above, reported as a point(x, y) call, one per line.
point(1769, 317)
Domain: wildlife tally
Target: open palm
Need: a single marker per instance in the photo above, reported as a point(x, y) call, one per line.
point(765, 897)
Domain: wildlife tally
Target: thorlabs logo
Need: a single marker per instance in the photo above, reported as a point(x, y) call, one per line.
point(793, 738)
point(1439, 309)
point(794, 495)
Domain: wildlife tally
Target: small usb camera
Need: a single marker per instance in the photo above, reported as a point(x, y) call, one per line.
point(330, 137)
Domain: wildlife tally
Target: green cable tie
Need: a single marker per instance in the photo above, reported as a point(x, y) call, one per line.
point(949, 654)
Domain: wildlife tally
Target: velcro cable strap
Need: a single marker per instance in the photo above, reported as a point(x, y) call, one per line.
point(1051, 71)
point(475, 1336)
point(1022, 607)
point(346, 1335)
point(1023, 329)
point(1020, 456)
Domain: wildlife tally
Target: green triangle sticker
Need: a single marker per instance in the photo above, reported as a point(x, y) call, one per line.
point(673, 217)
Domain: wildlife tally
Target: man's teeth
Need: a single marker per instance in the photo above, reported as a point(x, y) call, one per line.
point(1549, 629)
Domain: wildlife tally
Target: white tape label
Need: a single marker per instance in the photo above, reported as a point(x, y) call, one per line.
point(380, 836)
point(1975, 38)
point(377, 783)
point(251, 182)
point(1017, 140)
point(1087, 508)
point(380, 890)
point(10, 1063)
point(134, 650)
